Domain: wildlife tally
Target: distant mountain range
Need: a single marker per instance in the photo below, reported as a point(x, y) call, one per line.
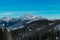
point(28, 27)
point(15, 23)
point(18, 22)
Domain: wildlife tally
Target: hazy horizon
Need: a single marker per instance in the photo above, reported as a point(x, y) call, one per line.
point(45, 8)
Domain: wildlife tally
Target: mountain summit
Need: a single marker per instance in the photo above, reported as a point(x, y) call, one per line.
point(30, 17)
point(13, 23)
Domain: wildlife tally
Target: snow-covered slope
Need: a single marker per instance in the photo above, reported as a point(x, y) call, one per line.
point(15, 23)
point(25, 19)
point(30, 18)
point(7, 19)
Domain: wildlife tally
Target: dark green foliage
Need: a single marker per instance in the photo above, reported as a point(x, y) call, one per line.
point(3, 34)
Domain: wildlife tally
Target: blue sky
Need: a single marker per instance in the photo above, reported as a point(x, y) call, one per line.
point(45, 8)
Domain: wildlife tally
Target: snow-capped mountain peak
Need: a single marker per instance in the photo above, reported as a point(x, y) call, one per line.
point(7, 19)
point(13, 23)
point(26, 17)
point(29, 17)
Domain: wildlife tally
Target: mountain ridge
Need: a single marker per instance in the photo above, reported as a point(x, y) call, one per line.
point(19, 22)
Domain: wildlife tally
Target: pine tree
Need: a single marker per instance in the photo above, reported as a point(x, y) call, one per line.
point(5, 34)
point(0, 33)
